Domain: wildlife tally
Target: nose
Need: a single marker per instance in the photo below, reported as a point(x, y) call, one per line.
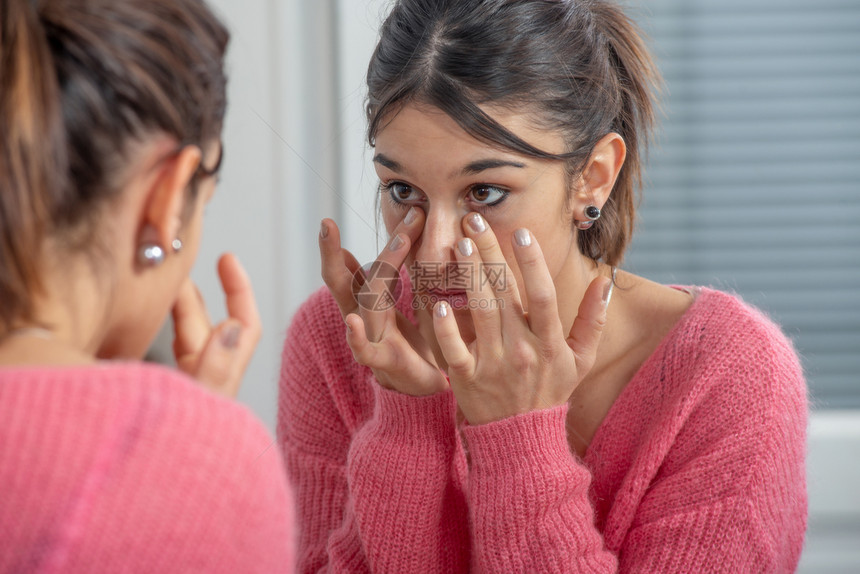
point(442, 230)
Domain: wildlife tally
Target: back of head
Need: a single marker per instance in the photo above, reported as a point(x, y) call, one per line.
point(81, 81)
point(579, 66)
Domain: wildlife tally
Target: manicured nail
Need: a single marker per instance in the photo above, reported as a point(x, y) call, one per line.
point(323, 230)
point(607, 293)
point(442, 310)
point(411, 216)
point(523, 237)
point(477, 223)
point(396, 243)
point(230, 337)
point(465, 246)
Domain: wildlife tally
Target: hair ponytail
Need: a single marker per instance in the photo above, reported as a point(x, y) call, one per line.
point(81, 81)
point(32, 154)
point(633, 80)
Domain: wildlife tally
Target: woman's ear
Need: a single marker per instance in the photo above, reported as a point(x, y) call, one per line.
point(166, 198)
point(599, 176)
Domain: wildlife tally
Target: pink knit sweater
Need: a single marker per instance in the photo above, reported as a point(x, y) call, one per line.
point(698, 467)
point(135, 468)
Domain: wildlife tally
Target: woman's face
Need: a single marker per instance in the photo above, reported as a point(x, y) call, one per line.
point(424, 158)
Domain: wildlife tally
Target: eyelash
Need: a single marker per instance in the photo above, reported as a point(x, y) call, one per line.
point(388, 188)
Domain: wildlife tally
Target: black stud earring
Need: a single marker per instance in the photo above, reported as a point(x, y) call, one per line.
point(592, 214)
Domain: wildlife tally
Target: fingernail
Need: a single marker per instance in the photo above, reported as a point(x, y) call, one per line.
point(523, 237)
point(230, 337)
point(323, 230)
point(477, 223)
point(396, 243)
point(442, 310)
point(465, 246)
point(607, 293)
point(411, 216)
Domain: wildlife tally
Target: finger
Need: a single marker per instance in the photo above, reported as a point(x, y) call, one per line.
point(221, 363)
point(411, 225)
point(239, 293)
point(363, 350)
point(483, 304)
point(395, 363)
point(587, 328)
point(377, 296)
point(241, 307)
point(494, 265)
point(339, 267)
point(461, 363)
point(538, 286)
point(191, 324)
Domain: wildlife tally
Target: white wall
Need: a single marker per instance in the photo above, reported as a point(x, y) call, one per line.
point(295, 153)
point(279, 170)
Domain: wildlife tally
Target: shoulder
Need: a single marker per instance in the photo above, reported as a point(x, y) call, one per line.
point(141, 404)
point(323, 391)
point(733, 373)
point(317, 329)
point(147, 444)
point(317, 333)
point(721, 332)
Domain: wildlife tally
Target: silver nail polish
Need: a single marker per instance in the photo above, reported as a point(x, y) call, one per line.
point(465, 247)
point(442, 310)
point(411, 216)
point(477, 223)
point(523, 237)
point(396, 243)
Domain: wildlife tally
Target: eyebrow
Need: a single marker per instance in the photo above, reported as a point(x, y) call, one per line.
point(485, 164)
point(387, 162)
point(471, 169)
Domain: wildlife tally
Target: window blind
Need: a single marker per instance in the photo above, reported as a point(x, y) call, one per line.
point(754, 184)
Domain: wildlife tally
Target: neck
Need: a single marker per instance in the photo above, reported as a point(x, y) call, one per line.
point(66, 321)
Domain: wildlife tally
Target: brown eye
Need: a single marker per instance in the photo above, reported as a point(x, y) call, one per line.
point(402, 193)
point(488, 195)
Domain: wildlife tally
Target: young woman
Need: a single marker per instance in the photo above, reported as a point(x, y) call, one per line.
point(110, 119)
point(526, 405)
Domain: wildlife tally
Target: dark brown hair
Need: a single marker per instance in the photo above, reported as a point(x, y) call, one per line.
point(80, 82)
point(579, 65)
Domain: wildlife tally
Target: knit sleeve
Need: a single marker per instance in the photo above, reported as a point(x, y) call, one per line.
point(528, 499)
point(376, 473)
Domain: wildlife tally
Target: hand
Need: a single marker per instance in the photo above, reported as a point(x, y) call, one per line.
point(217, 356)
point(383, 340)
point(518, 362)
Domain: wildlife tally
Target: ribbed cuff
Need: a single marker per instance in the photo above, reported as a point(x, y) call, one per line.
point(403, 417)
point(522, 443)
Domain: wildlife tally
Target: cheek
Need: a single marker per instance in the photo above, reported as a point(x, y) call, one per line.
point(556, 247)
point(392, 213)
point(390, 217)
